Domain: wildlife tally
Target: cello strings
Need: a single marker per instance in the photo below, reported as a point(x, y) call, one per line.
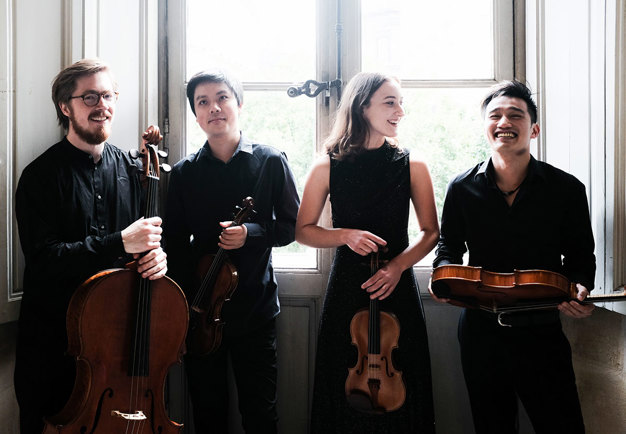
point(140, 357)
point(147, 297)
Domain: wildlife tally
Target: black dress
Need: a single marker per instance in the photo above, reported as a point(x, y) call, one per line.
point(371, 192)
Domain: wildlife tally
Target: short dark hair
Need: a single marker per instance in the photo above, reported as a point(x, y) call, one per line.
point(513, 89)
point(214, 76)
point(64, 84)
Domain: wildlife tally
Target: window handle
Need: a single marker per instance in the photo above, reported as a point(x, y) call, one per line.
point(312, 88)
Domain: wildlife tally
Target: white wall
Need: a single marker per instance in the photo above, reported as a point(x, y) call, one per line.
point(38, 38)
point(571, 66)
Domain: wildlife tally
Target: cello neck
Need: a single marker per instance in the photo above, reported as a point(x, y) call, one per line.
point(139, 361)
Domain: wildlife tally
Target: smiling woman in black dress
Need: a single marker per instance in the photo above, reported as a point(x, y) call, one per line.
point(371, 182)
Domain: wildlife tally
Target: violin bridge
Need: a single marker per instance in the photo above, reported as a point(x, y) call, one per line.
point(138, 415)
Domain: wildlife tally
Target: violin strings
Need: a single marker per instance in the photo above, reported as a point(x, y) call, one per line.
point(206, 281)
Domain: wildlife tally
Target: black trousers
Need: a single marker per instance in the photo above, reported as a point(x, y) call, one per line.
point(44, 375)
point(253, 358)
point(533, 363)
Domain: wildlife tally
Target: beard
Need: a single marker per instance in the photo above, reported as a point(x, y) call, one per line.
point(95, 137)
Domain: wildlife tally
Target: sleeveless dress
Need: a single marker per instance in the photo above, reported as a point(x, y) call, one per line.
point(371, 192)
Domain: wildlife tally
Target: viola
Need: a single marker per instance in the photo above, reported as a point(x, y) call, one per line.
point(373, 384)
point(219, 280)
point(125, 332)
point(522, 290)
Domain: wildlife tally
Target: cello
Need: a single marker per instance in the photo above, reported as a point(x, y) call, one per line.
point(125, 332)
point(522, 290)
point(373, 385)
point(219, 280)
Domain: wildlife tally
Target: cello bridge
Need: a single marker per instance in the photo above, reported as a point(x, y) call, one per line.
point(138, 415)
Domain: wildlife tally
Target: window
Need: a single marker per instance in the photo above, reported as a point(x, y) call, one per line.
point(267, 49)
point(446, 54)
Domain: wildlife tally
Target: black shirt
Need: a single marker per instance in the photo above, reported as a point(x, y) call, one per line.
point(202, 192)
point(70, 214)
point(547, 227)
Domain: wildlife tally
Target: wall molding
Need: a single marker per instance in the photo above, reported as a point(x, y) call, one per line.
point(541, 77)
point(9, 302)
point(619, 180)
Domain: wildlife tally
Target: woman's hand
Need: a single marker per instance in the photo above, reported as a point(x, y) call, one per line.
point(384, 281)
point(362, 242)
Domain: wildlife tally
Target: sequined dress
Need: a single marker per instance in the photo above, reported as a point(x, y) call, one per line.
point(371, 192)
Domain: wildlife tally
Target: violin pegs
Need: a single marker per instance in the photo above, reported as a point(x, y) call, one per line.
point(166, 167)
point(133, 153)
point(162, 153)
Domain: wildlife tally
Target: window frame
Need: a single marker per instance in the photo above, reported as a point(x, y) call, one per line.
point(508, 63)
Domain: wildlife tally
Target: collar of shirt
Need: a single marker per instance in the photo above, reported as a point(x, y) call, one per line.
point(486, 171)
point(84, 158)
point(244, 145)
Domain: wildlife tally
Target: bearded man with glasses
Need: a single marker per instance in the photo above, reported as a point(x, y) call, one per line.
point(79, 211)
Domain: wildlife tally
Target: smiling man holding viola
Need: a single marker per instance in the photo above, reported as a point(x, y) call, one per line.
point(513, 212)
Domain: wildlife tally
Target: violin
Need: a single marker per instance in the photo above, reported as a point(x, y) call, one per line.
point(219, 280)
point(125, 332)
point(522, 290)
point(373, 384)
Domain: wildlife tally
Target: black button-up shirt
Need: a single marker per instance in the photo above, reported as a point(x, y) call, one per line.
point(70, 214)
point(547, 227)
point(202, 192)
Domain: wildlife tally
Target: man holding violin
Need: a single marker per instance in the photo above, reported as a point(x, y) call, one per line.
point(513, 212)
point(78, 209)
point(204, 189)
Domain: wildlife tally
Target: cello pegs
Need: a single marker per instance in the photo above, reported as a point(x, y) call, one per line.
point(133, 153)
point(165, 167)
point(162, 153)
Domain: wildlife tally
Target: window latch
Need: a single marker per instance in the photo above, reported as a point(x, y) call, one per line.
point(312, 88)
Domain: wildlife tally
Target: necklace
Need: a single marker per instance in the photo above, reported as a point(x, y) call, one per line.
point(508, 193)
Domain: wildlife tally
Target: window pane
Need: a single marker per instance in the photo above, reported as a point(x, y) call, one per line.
point(428, 40)
point(288, 124)
point(443, 127)
point(260, 41)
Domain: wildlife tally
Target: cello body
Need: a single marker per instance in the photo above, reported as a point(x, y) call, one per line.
point(101, 321)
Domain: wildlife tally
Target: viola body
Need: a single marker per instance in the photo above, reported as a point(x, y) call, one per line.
point(373, 384)
point(475, 287)
point(120, 378)
point(522, 290)
point(206, 325)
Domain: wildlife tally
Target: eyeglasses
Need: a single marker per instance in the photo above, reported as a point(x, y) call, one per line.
point(92, 98)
